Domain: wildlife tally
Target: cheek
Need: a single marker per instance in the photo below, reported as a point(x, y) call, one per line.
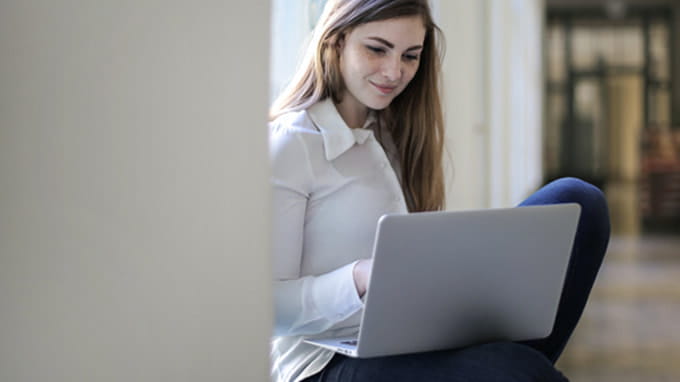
point(348, 71)
point(349, 66)
point(410, 73)
point(363, 62)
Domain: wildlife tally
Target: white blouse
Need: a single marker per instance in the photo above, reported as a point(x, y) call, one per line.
point(330, 184)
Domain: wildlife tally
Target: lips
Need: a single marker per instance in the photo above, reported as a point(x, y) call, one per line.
point(384, 89)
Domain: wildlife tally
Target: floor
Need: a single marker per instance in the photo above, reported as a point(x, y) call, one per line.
point(630, 330)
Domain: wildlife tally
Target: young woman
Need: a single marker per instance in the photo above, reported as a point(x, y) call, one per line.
point(357, 134)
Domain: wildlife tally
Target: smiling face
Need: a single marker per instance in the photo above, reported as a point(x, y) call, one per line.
point(377, 62)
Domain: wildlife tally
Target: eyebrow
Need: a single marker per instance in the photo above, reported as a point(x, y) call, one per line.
point(391, 46)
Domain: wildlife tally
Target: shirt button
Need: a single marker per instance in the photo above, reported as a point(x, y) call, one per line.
point(383, 165)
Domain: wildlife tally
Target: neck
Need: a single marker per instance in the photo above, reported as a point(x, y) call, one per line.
point(353, 114)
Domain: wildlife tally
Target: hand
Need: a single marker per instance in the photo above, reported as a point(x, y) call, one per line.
point(362, 273)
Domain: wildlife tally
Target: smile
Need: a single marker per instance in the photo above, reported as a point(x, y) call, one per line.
point(383, 88)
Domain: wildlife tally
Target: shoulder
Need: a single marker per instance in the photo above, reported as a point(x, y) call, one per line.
point(295, 145)
point(293, 131)
point(293, 123)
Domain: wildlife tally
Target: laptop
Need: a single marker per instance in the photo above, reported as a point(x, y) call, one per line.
point(444, 280)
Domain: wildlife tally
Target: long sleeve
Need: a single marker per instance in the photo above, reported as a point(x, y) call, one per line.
point(330, 186)
point(304, 304)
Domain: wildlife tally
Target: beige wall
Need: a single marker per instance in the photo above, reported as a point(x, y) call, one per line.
point(133, 191)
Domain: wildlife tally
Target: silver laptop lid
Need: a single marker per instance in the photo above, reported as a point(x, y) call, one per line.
point(442, 280)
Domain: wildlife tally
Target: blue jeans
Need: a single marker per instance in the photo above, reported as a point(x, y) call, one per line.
point(506, 361)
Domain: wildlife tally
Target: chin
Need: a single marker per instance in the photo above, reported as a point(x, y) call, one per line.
point(379, 105)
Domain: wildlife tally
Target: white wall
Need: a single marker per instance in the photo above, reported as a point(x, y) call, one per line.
point(493, 99)
point(292, 23)
point(133, 191)
point(515, 99)
point(464, 72)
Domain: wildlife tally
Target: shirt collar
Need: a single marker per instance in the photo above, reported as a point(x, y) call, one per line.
point(337, 136)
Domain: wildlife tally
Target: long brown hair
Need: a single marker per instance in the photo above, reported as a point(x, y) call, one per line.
point(414, 117)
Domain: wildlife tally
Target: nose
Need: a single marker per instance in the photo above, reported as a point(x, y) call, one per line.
point(392, 69)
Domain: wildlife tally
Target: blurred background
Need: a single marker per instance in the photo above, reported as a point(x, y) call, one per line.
point(612, 116)
point(541, 89)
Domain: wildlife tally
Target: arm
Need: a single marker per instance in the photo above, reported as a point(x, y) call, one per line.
point(362, 274)
point(309, 304)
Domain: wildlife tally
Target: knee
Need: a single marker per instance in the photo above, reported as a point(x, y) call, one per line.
point(594, 211)
point(568, 190)
point(592, 200)
point(578, 191)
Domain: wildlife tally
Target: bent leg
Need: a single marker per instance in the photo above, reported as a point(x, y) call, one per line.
point(590, 244)
point(499, 362)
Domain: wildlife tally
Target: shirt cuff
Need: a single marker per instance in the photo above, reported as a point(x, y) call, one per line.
point(335, 295)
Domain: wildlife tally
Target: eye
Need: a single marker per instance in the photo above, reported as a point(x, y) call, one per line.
point(375, 49)
point(411, 57)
